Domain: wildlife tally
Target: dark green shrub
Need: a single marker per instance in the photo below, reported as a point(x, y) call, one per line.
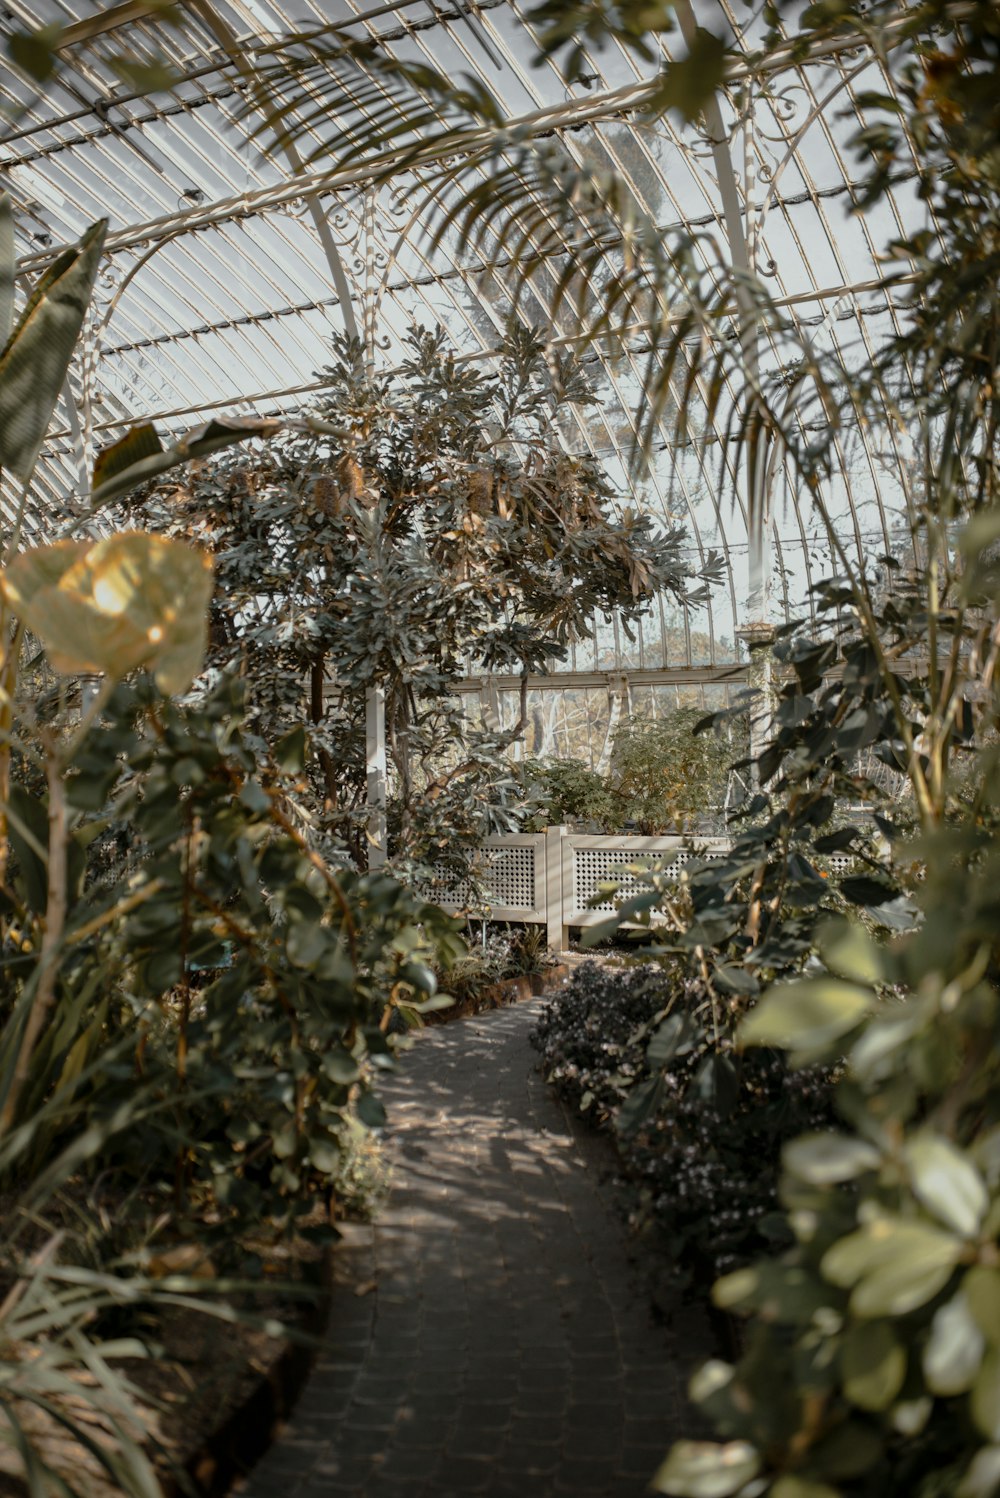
point(698, 1127)
point(567, 790)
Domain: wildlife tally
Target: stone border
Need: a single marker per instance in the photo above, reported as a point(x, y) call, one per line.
point(232, 1450)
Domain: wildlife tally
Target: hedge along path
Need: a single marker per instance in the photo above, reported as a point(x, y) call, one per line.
point(489, 1335)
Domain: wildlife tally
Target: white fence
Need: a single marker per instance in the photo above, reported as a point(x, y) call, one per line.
point(550, 877)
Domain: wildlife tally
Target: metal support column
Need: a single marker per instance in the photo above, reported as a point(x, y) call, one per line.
point(489, 697)
point(375, 769)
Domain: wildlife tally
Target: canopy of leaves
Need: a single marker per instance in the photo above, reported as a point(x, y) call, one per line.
point(445, 530)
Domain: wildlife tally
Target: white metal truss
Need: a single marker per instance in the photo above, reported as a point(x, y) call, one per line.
point(226, 270)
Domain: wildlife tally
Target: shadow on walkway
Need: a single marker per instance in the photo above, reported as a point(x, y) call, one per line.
point(504, 1345)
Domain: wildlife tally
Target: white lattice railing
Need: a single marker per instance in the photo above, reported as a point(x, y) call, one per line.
point(511, 880)
point(551, 877)
point(592, 862)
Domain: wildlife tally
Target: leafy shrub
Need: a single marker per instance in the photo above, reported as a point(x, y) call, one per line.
point(872, 1360)
point(590, 1035)
point(698, 1127)
point(246, 980)
point(567, 790)
point(506, 952)
point(664, 777)
point(403, 541)
point(195, 1001)
point(708, 1175)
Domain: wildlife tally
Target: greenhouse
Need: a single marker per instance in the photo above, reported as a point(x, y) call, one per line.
point(499, 748)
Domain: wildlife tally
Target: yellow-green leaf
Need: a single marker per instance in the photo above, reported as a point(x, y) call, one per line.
point(894, 1265)
point(848, 951)
point(112, 606)
point(981, 1288)
point(986, 1396)
point(873, 1365)
point(809, 1013)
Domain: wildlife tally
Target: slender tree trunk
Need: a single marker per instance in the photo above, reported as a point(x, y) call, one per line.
point(316, 715)
point(316, 688)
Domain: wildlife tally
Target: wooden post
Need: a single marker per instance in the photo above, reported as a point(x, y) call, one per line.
point(556, 934)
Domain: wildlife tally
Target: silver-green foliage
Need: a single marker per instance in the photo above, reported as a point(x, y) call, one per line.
point(439, 528)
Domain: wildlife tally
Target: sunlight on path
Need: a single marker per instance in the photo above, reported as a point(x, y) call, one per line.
point(504, 1345)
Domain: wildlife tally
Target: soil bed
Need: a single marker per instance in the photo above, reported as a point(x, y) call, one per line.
point(208, 1402)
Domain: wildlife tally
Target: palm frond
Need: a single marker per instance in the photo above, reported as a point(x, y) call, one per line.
point(521, 204)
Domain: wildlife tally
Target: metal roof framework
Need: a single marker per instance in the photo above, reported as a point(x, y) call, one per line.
point(226, 270)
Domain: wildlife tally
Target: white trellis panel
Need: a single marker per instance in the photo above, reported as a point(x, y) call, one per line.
point(592, 861)
point(552, 877)
point(512, 882)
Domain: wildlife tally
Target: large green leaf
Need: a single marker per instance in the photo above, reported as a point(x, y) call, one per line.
point(900, 1288)
point(850, 952)
point(873, 1364)
point(36, 357)
point(140, 455)
point(706, 1469)
point(131, 600)
point(981, 1288)
point(806, 1014)
point(954, 1349)
point(982, 1476)
point(826, 1159)
point(986, 1396)
point(893, 1264)
point(947, 1183)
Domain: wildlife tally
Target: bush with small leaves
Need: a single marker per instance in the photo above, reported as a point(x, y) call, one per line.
point(698, 1128)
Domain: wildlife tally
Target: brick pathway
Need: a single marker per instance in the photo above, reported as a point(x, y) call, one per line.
point(489, 1335)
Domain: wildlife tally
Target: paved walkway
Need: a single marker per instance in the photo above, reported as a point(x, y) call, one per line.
point(489, 1335)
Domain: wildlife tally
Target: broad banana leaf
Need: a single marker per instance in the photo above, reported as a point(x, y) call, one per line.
point(140, 455)
point(36, 356)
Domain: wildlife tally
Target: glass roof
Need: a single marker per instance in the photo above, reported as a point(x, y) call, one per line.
point(228, 269)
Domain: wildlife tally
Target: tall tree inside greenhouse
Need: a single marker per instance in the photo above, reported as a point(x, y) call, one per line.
point(441, 529)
